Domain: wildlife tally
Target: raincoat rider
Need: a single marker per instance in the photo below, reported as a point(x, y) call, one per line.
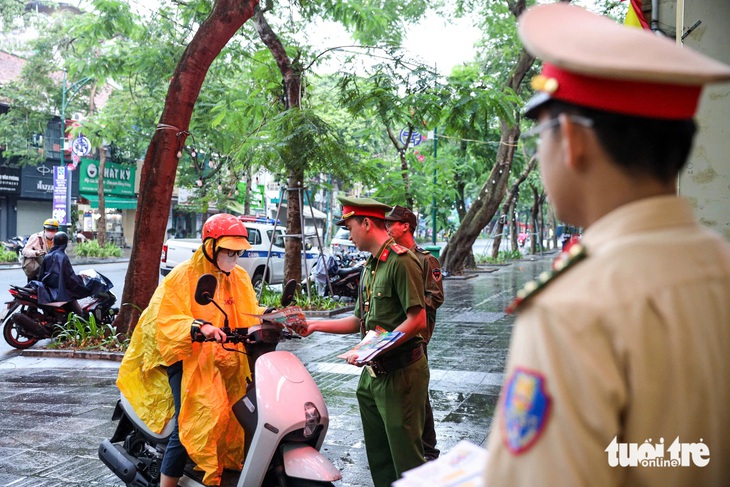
point(58, 282)
point(165, 374)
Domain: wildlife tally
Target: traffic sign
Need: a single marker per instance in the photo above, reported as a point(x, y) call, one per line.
point(81, 146)
point(416, 137)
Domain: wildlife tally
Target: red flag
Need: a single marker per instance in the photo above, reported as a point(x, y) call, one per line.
point(635, 16)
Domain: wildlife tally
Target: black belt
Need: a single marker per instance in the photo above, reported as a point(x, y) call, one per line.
point(383, 366)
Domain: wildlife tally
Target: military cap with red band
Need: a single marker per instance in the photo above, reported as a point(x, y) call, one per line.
point(361, 207)
point(592, 61)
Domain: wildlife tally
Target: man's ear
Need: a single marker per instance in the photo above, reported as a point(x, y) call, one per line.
point(574, 141)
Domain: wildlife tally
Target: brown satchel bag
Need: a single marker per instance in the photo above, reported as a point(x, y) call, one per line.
point(31, 266)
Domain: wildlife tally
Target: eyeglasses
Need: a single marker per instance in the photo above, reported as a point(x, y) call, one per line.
point(531, 138)
point(233, 253)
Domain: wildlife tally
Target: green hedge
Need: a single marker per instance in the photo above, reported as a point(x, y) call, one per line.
point(91, 248)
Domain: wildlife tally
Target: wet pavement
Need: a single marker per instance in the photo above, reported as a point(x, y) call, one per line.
point(54, 412)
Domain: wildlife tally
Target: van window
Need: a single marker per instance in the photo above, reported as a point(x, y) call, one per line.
point(278, 240)
point(254, 237)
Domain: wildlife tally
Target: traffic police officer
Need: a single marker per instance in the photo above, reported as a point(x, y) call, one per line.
point(401, 224)
point(617, 371)
point(392, 390)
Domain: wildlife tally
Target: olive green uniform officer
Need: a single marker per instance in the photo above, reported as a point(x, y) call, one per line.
point(393, 388)
point(402, 223)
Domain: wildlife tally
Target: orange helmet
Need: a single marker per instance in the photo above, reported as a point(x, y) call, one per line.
point(223, 225)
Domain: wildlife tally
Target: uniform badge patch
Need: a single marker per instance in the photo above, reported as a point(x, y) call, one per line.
point(436, 274)
point(526, 410)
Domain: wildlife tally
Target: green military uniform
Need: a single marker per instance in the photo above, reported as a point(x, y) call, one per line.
point(434, 288)
point(434, 298)
point(392, 407)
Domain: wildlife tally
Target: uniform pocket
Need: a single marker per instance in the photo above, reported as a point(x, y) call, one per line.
point(382, 292)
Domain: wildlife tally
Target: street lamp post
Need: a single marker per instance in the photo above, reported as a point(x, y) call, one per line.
point(74, 89)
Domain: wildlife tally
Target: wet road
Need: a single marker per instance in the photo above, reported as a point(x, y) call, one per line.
point(55, 412)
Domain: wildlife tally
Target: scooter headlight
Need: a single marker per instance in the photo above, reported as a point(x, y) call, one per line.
point(311, 419)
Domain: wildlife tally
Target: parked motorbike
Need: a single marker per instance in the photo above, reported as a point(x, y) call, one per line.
point(25, 321)
point(283, 415)
point(16, 244)
point(343, 271)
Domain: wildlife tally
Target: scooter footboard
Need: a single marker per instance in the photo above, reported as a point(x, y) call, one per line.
point(304, 462)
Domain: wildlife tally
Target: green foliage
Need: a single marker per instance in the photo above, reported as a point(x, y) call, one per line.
point(504, 257)
point(8, 256)
point(272, 299)
point(78, 333)
point(91, 248)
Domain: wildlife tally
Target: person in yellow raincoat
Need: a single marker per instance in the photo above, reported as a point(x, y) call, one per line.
point(165, 374)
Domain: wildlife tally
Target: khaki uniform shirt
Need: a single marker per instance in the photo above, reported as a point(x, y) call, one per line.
point(632, 343)
point(434, 288)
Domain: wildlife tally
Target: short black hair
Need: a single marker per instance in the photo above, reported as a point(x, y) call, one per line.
point(640, 145)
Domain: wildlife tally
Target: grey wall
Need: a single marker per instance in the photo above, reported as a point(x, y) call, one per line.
point(706, 179)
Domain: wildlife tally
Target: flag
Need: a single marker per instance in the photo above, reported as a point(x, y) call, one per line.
point(635, 17)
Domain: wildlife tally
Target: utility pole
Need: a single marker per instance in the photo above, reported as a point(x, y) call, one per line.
point(74, 89)
point(435, 160)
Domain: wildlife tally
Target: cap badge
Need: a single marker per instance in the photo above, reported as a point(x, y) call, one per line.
point(542, 83)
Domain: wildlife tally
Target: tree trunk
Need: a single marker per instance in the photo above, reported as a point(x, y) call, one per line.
point(161, 160)
point(292, 79)
point(534, 214)
point(249, 192)
point(508, 210)
point(101, 223)
point(493, 191)
point(404, 170)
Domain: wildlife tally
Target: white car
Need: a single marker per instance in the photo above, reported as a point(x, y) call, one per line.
point(267, 247)
point(341, 241)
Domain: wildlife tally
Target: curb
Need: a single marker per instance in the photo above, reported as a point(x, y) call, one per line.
point(328, 313)
point(78, 354)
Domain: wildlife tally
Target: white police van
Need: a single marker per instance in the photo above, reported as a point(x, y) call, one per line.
point(265, 238)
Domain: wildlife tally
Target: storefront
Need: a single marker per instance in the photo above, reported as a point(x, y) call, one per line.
point(120, 201)
point(35, 203)
point(9, 193)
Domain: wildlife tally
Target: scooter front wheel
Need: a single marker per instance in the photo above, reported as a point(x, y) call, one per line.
point(13, 335)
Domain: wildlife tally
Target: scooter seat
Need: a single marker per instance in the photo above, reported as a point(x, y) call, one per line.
point(137, 421)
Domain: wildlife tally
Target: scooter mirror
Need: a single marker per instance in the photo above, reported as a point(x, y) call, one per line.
point(205, 290)
point(287, 292)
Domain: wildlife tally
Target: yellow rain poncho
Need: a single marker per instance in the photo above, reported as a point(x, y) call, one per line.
point(213, 378)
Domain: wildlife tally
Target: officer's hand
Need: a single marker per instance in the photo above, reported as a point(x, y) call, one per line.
point(304, 329)
point(212, 333)
point(40, 253)
point(352, 360)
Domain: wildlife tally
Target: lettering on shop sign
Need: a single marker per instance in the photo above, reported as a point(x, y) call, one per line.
point(48, 188)
point(650, 454)
point(115, 173)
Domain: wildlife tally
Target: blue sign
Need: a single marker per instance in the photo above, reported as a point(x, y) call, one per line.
point(416, 137)
point(60, 188)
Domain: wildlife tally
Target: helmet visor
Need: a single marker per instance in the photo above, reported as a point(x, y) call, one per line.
point(233, 243)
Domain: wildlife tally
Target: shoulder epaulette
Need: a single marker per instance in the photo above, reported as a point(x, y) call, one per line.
point(421, 250)
point(562, 263)
point(398, 249)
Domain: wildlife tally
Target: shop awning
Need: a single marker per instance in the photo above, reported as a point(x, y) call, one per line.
point(117, 202)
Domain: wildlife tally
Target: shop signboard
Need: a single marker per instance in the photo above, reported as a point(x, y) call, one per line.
point(118, 178)
point(36, 182)
point(9, 180)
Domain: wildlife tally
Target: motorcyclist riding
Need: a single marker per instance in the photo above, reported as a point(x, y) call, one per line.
point(58, 283)
point(165, 375)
